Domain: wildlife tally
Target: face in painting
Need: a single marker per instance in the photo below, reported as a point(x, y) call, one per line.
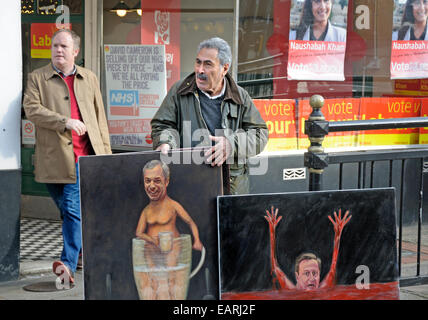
point(321, 10)
point(308, 277)
point(419, 10)
point(155, 183)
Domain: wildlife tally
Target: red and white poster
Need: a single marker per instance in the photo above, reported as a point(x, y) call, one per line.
point(28, 132)
point(409, 59)
point(409, 49)
point(136, 87)
point(317, 40)
point(160, 24)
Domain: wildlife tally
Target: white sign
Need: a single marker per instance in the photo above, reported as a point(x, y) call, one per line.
point(136, 86)
point(28, 132)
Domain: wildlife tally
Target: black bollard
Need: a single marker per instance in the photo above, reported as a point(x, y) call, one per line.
point(316, 127)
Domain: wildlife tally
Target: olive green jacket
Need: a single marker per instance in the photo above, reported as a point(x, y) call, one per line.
point(47, 104)
point(179, 119)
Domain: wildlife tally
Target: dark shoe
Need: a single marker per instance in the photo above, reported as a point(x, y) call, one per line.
point(61, 270)
point(80, 262)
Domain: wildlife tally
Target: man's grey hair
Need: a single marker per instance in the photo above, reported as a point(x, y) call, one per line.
point(154, 163)
point(74, 36)
point(224, 51)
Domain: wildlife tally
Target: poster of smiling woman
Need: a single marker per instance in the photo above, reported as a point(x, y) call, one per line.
point(317, 40)
point(409, 53)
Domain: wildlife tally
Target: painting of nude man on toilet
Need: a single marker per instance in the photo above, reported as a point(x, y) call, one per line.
point(328, 245)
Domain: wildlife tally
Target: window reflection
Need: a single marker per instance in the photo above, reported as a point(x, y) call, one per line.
point(45, 7)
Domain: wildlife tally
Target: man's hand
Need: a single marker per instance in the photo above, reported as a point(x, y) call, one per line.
point(218, 154)
point(76, 125)
point(164, 148)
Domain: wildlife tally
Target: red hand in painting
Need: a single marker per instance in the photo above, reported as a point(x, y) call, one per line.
point(279, 279)
point(271, 217)
point(339, 223)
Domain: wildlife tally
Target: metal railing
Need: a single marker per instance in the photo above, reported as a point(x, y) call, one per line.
point(317, 160)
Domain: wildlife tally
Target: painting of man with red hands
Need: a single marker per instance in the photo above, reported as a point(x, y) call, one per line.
point(308, 265)
point(309, 245)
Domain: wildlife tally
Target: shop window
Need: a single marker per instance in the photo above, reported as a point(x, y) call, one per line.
point(27, 6)
point(75, 6)
point(255, 63)
point(197, 21)
point(48, 7)
point(177, 25)
point(360, 56)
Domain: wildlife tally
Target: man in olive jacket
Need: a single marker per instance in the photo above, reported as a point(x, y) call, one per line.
point(208, 109)
point(65, 104)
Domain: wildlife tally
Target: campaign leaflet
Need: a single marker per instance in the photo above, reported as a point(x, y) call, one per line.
point(409, 49)
point(136, 86)
point(317, 40)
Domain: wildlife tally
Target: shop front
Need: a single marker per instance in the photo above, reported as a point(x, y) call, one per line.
point(363, 63)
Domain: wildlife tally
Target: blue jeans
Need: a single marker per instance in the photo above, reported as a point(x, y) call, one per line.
point(67, 199)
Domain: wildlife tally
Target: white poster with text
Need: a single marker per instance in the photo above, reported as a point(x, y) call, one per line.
point(136, 86)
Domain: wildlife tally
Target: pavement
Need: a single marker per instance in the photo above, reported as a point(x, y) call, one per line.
point(38, 275)
point(41, 243)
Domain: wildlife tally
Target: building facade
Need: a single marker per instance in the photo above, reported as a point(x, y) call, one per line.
point(361, 76)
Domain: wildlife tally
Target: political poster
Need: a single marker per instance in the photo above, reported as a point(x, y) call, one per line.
point(347, 109)
point(389, 108)
point(136, 86)
point(411, 87)
point(423, 132)
point(317, 40)
point(409, 50)
point(41, 39)
point(280, 118)
point(160, 24)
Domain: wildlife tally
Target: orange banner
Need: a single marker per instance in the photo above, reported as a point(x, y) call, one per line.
point(333, 110)
point(280, 115)
point(389, 108)
point(423, 132)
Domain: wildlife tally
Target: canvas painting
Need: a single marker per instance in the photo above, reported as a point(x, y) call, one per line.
point(149, 226)
point(309, 245)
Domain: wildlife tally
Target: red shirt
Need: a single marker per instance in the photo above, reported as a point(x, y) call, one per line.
point(81, 144)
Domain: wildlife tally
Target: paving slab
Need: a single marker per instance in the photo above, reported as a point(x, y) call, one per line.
point(15, 290)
